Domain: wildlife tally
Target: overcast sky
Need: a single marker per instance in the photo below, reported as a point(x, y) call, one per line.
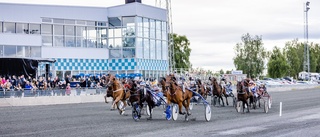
point(214, 27)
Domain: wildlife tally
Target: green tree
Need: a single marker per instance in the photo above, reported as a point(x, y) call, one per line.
point(314, 57)
point(277, 64)
point(294, 51)
point(250, 55)
point(182, 51)
point(221, 71)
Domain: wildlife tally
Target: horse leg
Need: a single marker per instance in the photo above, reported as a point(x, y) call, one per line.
point(247, 107)
point(105, 99)
point(123, 109)
point(227, 100)
point(150, 110)
point(115, 102)
point(220, 97)
point(186, 106)
point(180, 108)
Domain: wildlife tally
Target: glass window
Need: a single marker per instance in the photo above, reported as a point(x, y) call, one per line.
point(47, 20)
point(164, 50)
point(92, 43)
point(158, 49)
point(102, 23)
point(139, 48)
point(20, 51)
point(111, 43)
point(102, 32)
point(47, 41)
point(9, 27)
point(91, 23)
point(80, 42)
point(145, 23)
point(81, 22)
point(117, 32)
point(152, 33)
point(152, 49)
point(35, 51)
point(0, 27)
point(59, 21)
point(81, 31)
point(118, 42)
point(22, 28)
point(164, 26)
point(46, 29)
point(58, 30)
point(129, 41)
point(146, 32)
point(34, 28)
point(91, 32)
point(69, 30)
point(129, 53)
point(164, 35)
point(146, 48)
point(27, 51)
point(139, 21)
point(114, 22)
point(10, 51)
point(104, 42)
point(115, 53)
point(70, 42)
point(69, 22)
point(58, 41)
point(140, 31)
point(110, 33)
point(99, 43)
point(1, 51)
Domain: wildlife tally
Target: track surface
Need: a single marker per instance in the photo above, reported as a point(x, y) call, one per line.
point(300, 117)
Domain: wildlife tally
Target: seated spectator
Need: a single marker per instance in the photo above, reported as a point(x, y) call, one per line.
point(28, 85)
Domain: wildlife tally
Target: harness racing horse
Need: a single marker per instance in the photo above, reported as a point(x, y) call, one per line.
point(118, 93)
point(109, 90)
point(243, 94)
point(216, 90)
point(175, 94)
point(202, 90)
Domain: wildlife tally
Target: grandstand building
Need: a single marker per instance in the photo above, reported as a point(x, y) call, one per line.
point(128, 38)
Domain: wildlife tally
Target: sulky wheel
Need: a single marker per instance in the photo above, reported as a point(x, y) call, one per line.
point(175, 112)
point(207, 112)
point(266, 106)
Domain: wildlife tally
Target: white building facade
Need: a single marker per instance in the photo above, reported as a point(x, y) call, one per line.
point(129, 38)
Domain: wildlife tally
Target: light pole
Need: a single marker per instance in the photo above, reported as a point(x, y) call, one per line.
point(306, 47)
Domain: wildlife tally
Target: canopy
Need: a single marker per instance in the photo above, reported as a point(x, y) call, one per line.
point(21, 66)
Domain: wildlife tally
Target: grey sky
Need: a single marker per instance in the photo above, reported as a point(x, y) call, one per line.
point(214, 27)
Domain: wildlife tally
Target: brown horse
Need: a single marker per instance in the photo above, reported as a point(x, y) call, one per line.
point(109, 90)
point(202, 91)
point(217, 90)
point(118, 93)
point(175, 94)
point(243, 93)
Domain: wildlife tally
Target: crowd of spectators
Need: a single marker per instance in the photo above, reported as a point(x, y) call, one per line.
point(16, 86)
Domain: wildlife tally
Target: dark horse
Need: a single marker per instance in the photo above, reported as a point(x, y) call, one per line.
point(152, 98)
point(216, 89)
point(175, 94)
point(243, 94)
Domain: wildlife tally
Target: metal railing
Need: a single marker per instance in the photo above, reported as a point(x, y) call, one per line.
point(50, 92)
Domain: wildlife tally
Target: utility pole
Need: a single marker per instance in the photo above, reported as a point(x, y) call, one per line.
point(306, 65)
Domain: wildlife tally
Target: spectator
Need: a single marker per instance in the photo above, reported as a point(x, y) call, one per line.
point(68, 89)
point(19, 90)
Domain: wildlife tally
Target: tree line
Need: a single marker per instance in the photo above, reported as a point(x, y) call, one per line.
point(252, 57)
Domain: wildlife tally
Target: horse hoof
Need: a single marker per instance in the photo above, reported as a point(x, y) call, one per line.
point(149, 118)
point(182, 113)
